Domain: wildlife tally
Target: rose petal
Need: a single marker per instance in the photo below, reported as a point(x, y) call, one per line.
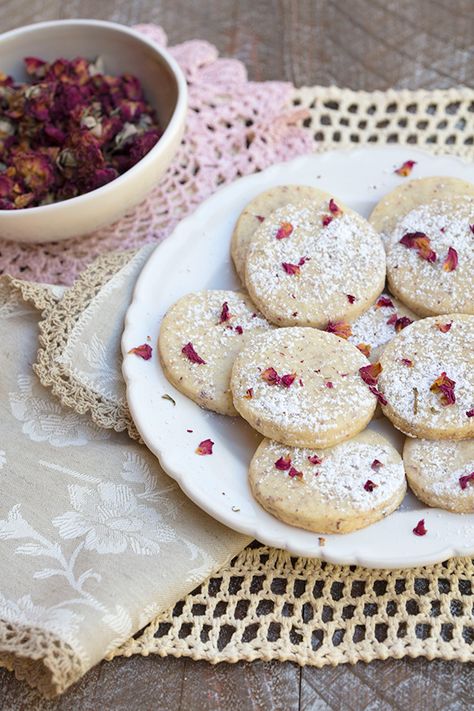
point(451, 260)
point(444, 386)
point(364, 348)
point(144, 351)
point(283, 464)
point(205, 447)
point(369, 485)
point(376, 464)
point(420, 529)
point(443, 327)
point(284, 231)
point(384, 301)
point(339, 328)
point(271, 376)
point(464, 480)
point(314, 459)
point(370, 373)
point(295, 473)
point(190, 353)
point(405, 168)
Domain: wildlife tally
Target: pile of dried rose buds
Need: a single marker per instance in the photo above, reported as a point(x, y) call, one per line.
point(70, 131)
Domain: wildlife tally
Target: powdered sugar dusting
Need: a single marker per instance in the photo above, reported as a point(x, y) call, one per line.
point(446, 224)
point(317, 358)
point(438, 465)
point(345, 257)
point(343, 471)
point(372, 328)
point(196, 319)
point(431, 352)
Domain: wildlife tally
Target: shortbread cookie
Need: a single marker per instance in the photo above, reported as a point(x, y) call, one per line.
point(413, 193)
point(430, 258)
point(199, 339)
point(259, 209)
point(302, 387)
point(310, 264)
point(378, 325)
point(441, 474)
point(427, 378)
point(334, 490)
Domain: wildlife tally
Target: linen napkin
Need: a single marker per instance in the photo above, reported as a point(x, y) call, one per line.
point(95, 539)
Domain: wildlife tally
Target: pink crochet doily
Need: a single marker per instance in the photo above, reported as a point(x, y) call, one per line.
point(234, 127)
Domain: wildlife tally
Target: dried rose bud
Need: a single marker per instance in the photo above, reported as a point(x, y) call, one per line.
point(190, 353)
point(144, 351)
point(384, 301)
point(405, 168)
point(339, 328)
point(464, 480)
point(284, 231)
point(451, 260)
point(283, 464)
point(205, 447)
point(445, 387)
point(420, 529)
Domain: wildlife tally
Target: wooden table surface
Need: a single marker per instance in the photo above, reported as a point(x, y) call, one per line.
point(363, 44)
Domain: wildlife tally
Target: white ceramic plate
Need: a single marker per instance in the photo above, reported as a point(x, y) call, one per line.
point(197, 257)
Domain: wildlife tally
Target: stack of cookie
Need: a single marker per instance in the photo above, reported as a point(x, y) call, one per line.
point(315, 346)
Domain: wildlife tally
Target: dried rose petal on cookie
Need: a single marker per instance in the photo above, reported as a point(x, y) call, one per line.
point(190, 353)
point(445, 386)
point(339, 328)
point(284, 231)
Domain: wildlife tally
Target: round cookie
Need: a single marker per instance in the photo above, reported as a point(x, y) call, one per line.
point(441, 474)
point(430, 258)
point(410, 194)
point(302, 387)
point(334, 490)
point(307, 266)
point(371, 331)
point(209, 326)
point(427, 378)
point(260, 208)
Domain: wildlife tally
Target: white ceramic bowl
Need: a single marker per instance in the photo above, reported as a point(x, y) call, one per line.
point(123, 50)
